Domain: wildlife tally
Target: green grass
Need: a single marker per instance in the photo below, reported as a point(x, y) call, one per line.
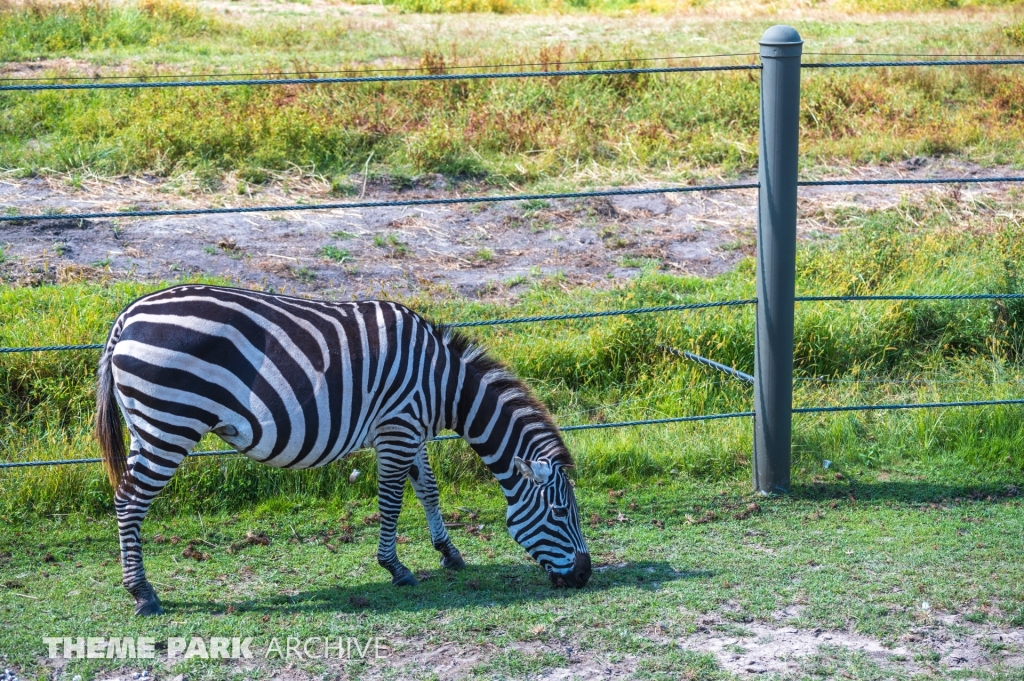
point(611, 369)
point(862, 555)
point(332, 252)
point(40, 29)
point(514, 132)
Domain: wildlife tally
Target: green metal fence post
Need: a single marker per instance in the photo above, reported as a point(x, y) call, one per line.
point(781, 48)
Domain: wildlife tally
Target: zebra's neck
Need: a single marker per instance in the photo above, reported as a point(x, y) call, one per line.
point(499, 418)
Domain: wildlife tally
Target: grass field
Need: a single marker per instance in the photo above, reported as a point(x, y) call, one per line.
point(508, 133)
point(899, 558)
point(858, 558)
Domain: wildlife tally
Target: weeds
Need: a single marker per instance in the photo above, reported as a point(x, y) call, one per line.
point(639, 262)
point(334, 253)
point(396, 247)
point(304, 274)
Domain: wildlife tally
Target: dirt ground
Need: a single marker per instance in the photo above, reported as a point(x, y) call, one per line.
point(945, 644)
point(486, 250)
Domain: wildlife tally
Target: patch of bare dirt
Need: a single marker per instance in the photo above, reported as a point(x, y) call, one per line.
point(419, 658)
point(482, 250)
point(756, 648)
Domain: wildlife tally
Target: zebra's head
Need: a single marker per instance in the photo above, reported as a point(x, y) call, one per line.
point(546, 522)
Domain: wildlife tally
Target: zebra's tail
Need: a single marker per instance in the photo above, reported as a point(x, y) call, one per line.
point(109, 430)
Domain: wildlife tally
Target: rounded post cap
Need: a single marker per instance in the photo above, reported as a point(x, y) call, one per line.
point(781, 41)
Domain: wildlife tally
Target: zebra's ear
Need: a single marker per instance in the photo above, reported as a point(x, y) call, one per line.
point(534, 471)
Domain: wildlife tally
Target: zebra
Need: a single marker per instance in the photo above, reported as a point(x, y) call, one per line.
point(297, 383)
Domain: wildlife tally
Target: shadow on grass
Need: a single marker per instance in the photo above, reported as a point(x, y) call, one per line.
point(478, 586)
point(912, 492)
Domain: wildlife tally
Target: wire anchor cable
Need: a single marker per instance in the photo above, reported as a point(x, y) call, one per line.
point(735, 373)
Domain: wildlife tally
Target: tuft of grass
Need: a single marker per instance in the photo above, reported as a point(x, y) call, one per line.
point(395, 246)
point(639, 262)
point(334, 253)
point(341, 186)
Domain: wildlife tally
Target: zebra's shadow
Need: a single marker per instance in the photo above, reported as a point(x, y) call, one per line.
point(476, 586)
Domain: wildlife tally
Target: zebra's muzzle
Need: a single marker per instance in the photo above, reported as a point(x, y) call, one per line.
point(576, 577)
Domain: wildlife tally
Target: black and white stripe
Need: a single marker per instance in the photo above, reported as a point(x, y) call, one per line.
point(296, 383)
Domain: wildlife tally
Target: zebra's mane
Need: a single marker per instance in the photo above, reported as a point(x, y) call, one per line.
point(517, 394)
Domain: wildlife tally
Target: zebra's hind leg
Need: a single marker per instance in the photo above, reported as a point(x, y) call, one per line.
point(393, 461)
point(425, 485)
point(143, 481)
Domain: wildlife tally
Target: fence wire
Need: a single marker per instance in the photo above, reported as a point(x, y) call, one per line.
point(393, 69)
point(53, 348)
point(226, 82)
point(910, 405)
point(442, 438)
point(901, 180)
point(355, 80)
point(482, 322)
point(613, 424)
point(919, 55)
point(938, 62)
point(936, 296)
point(176, 212)
point(382, 204)
point(630, 311)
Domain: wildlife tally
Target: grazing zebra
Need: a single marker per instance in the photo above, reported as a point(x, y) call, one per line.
point(296, 383)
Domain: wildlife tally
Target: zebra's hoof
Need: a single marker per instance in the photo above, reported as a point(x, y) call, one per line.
point(149, 608)
point(453, 561)
point(404, 578)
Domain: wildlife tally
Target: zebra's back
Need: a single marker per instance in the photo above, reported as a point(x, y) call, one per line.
point(289, 382)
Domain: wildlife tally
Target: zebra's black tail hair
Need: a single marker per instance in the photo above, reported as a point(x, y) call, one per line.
point(109, 430)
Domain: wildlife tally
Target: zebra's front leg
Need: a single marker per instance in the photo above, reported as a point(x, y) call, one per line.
point(425, 485)
point(132, 500)
point(392, 468)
